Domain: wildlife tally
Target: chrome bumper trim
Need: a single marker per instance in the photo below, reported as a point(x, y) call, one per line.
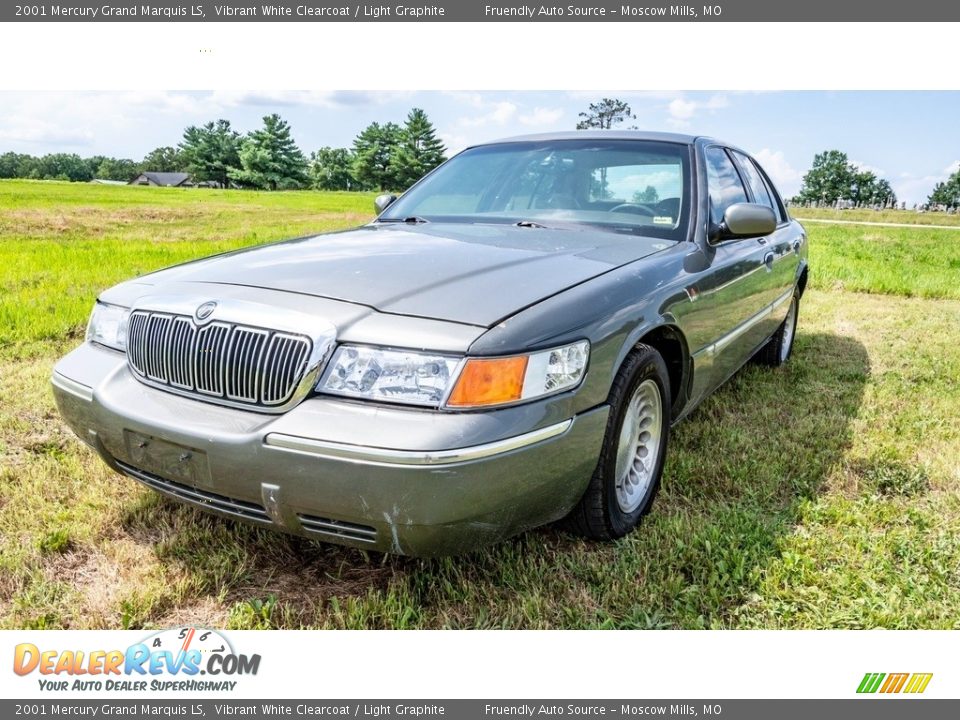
point(72, 386)
point(430, 458)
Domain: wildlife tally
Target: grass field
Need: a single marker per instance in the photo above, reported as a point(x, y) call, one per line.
point(823, 494)
point(902, 217)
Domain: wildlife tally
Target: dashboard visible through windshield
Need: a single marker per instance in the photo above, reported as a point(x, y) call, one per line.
point(632, 186)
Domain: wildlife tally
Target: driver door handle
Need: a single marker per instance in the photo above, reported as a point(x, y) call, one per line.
point(768, 259)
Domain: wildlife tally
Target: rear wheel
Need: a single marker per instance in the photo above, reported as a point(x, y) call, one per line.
point(628, 473)
point(778, 349)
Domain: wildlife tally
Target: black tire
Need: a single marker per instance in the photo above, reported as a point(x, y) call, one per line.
point(780, 346)
point(598, 515)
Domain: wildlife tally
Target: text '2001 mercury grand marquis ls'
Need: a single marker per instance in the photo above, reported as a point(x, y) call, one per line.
point(506, 345)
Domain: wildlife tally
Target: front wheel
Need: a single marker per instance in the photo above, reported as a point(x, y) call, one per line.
point(628, 472)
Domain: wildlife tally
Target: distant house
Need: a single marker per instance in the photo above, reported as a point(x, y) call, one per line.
point(101, 181)
point(163, 179)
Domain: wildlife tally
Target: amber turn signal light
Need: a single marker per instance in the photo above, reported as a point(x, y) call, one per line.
point(489, 382)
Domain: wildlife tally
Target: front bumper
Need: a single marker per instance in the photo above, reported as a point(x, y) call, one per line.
point(391, 479)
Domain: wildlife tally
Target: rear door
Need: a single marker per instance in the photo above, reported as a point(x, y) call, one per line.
point(779, 257)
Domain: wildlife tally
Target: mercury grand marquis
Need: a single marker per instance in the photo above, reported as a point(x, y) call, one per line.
point(506, 345)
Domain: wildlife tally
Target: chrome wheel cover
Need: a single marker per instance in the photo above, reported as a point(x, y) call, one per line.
point(638, 448)
point(789, 328)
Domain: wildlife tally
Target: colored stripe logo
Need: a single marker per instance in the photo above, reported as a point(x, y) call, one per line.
point(913, 683)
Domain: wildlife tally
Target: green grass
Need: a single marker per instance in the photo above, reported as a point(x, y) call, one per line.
point(823, 494)
point(61, 243)
point(905, 217)
point(920, 262)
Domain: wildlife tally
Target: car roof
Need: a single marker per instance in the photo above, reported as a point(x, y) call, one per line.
point(679, 138)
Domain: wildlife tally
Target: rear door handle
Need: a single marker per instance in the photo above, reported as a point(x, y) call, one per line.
point(797, 244)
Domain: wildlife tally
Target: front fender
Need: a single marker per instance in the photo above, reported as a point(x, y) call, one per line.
point(613, 311)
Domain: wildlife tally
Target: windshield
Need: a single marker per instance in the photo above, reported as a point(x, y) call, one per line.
point(619, 185)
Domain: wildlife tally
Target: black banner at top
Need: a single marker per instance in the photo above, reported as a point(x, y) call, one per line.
point(477, 11)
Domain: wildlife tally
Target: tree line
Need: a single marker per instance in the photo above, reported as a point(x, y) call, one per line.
point(834, 179)
point(390, 156)
point(384, 156)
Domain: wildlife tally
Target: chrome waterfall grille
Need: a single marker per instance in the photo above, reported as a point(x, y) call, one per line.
point(218, 361)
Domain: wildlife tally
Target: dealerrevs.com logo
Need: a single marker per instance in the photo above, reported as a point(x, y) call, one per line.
point(168, 660)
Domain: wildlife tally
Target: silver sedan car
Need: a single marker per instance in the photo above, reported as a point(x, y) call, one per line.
point(506, 345)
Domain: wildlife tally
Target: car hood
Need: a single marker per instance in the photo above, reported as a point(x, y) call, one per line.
point(473, 274)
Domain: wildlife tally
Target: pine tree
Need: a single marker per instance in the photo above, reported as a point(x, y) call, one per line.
point(372, 151)
point(270, 159)
point(209, 152)
point(605, 114)
point(419, 150)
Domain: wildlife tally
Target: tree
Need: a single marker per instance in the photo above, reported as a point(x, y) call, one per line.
point(647, 195)
point(11, 163)
point(834, 178)
point(605, 114)
point(418, 151)
point(946, 193)
point(94, 164)
point(29, 167)
point(862, 187)
point(63, 166)
point(883, 194)
point(372, 150)
point(830, 179)
point(209, 152)
point(163, 159)
point(117, 169)
point(332, 169)
point(270, 159)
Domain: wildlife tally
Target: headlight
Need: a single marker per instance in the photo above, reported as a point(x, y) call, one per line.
point(389, 375)
point(496, 381)
point(428, 379)
point(108, 326)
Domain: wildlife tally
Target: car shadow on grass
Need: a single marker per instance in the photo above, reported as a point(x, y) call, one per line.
point(737, 472)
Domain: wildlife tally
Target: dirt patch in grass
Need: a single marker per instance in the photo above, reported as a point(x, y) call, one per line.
point(30, 434)
point(159, 223)
point(91, 221)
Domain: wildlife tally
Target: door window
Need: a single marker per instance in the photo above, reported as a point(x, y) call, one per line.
point(723, 183)
point(757, 187)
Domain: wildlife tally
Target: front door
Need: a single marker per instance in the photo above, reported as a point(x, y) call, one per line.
point(730, 297)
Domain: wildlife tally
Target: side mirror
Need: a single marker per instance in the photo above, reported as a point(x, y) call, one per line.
point(747, 220)
point(383, 202)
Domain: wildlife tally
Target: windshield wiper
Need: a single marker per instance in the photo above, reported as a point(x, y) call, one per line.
point(530, 224)
point(412, 220)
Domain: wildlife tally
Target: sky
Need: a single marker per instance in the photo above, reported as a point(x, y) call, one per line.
point(910, 138)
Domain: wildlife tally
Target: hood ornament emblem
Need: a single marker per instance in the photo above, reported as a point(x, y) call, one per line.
point(205, 310)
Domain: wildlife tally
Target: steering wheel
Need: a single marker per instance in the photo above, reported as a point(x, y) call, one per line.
point(635, 208)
